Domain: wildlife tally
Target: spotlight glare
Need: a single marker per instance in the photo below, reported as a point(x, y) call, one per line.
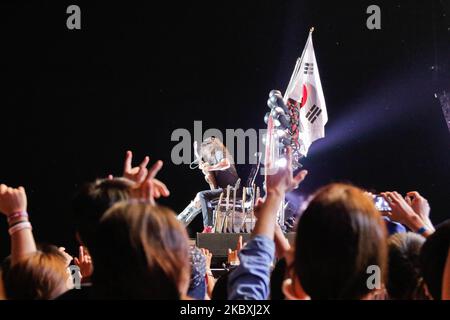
point(281, 163)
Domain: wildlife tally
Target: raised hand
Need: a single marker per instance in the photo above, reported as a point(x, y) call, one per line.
point(420, 206)
point(282, 179)
point(67, 256)
point(208, 256)
point(12, 200)
point(140, 173)
point(13, 203)
point(84, 262)
point(401, 210)
point(160, 189)
point(136, 174)
point(210, 281)
point(146, 189)
point(278, 182)
point(418, 203)
point(403, 213)
point(233, 255)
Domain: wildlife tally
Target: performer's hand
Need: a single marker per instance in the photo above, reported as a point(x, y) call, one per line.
point(281, 180)
point(205, 167)
point(12, 200)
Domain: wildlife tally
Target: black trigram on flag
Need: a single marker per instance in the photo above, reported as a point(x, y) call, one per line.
point(313, 113)
point(308, 68)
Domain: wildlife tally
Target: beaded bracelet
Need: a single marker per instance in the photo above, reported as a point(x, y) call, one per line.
point(19, 227)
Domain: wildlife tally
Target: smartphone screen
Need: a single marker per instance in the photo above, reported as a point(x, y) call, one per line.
point(381, 204)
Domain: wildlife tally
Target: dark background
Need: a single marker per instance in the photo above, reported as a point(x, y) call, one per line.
point(72, 102)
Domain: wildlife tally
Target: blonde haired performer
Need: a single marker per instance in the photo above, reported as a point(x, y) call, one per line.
point(217, 165)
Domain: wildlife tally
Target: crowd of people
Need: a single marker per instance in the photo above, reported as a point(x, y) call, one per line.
point(130, 247)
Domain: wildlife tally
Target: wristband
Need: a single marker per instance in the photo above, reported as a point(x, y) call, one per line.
point(16, 222)
point(16, 215)
point(19, 227)
point(421, 230)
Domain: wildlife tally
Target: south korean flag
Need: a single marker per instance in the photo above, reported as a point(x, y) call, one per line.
point(304, 96)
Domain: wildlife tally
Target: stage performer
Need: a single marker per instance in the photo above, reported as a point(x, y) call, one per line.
point(220, 172)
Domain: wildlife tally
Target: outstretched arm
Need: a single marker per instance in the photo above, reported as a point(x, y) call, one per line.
point(277, 184)
point(224, 164)
point(13, 204)
point(282, 245)
point(250, 281)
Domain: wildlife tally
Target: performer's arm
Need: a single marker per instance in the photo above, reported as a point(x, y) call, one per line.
point(224, 164)
point(209, 177)
point(211, 181)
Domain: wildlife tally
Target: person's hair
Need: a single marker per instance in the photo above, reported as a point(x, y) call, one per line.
point(43, 275)
point(141, 252)
point(405, 280)
point(210, 146)
point(6, 266)
point(92, 201)
point(4, 270)
point(433, 257)
point(277, 278)
point(339, 235)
